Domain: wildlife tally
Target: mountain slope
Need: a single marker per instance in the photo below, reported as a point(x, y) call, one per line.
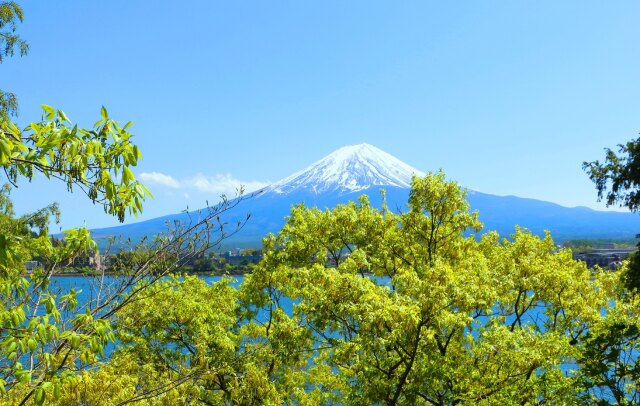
point(349, 169)
point(363, 169)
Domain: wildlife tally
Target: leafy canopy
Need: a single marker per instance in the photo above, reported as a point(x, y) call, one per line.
point(98, 161)
point(358, 305)
point(617, 179)
point(10, 15)
point(46, 336)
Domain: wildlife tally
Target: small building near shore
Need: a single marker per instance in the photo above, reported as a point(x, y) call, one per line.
point(604, 258)
point(31, 265)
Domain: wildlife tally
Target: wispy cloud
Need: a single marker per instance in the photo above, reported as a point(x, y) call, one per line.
point(217, 184)
point(160, 179)
point(223, 183)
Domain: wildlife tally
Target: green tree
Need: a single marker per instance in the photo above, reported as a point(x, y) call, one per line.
point(617, 179)
point(97, 160)
point(357, 306)
point(10, 15)
point(48, 338)
point(50, 341)
point(404, 309)
point(39, 343)
point(611, 365)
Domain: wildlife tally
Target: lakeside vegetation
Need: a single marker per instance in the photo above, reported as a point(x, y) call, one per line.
point(224, 264)
point(584, 245)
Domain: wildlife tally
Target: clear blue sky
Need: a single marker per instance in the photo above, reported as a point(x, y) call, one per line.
point(506, 97)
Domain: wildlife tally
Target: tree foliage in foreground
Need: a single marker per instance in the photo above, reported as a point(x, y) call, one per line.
point(50, 339)
point(46, 336)
point(617, 179)
point(10, 15)
point(359, 306)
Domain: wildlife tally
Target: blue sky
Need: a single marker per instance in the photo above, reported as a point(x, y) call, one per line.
point(506, 97)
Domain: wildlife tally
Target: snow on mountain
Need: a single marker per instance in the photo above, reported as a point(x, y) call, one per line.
point(349, 169)
point(362, 169)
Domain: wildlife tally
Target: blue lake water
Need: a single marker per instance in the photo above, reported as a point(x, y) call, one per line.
point(90, 286)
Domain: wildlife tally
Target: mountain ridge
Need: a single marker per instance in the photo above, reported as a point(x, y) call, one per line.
point(359, 169)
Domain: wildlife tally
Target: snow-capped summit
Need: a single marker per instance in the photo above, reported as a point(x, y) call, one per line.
point(352, 168)
point(363, 169)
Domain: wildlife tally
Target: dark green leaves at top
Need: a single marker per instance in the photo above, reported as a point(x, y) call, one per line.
point(10, 42)
point(10, 15)
point(617, 179)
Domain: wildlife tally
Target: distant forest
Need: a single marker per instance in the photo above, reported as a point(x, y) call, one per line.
point(581, 245)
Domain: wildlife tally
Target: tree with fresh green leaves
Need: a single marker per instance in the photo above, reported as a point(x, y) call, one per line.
point(48, 339)
point(358, 305)
point(406, 309)
point(617, 179)
point(611, 362)
point(97, 161)
point(610, 366)
point(51, 341)
point(43, 337)
point(10, 15)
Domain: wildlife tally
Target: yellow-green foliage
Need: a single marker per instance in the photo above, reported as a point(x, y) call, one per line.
point(361, 306)
point(354, 305)
point(439, 318)
point(97, 161)
point(47, 338)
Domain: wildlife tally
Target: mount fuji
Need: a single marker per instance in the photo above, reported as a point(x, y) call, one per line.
point(353, 168)
point(364, 169)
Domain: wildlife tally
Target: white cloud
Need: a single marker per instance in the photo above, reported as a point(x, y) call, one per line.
point(160, 179)
point(223, 183)
point(216, 184)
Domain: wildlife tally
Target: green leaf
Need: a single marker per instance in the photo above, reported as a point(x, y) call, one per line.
point(63, 116)
point(50, 111)
point(127, 175)
point(39, 396)
point(5, 147)
point(11, 347)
